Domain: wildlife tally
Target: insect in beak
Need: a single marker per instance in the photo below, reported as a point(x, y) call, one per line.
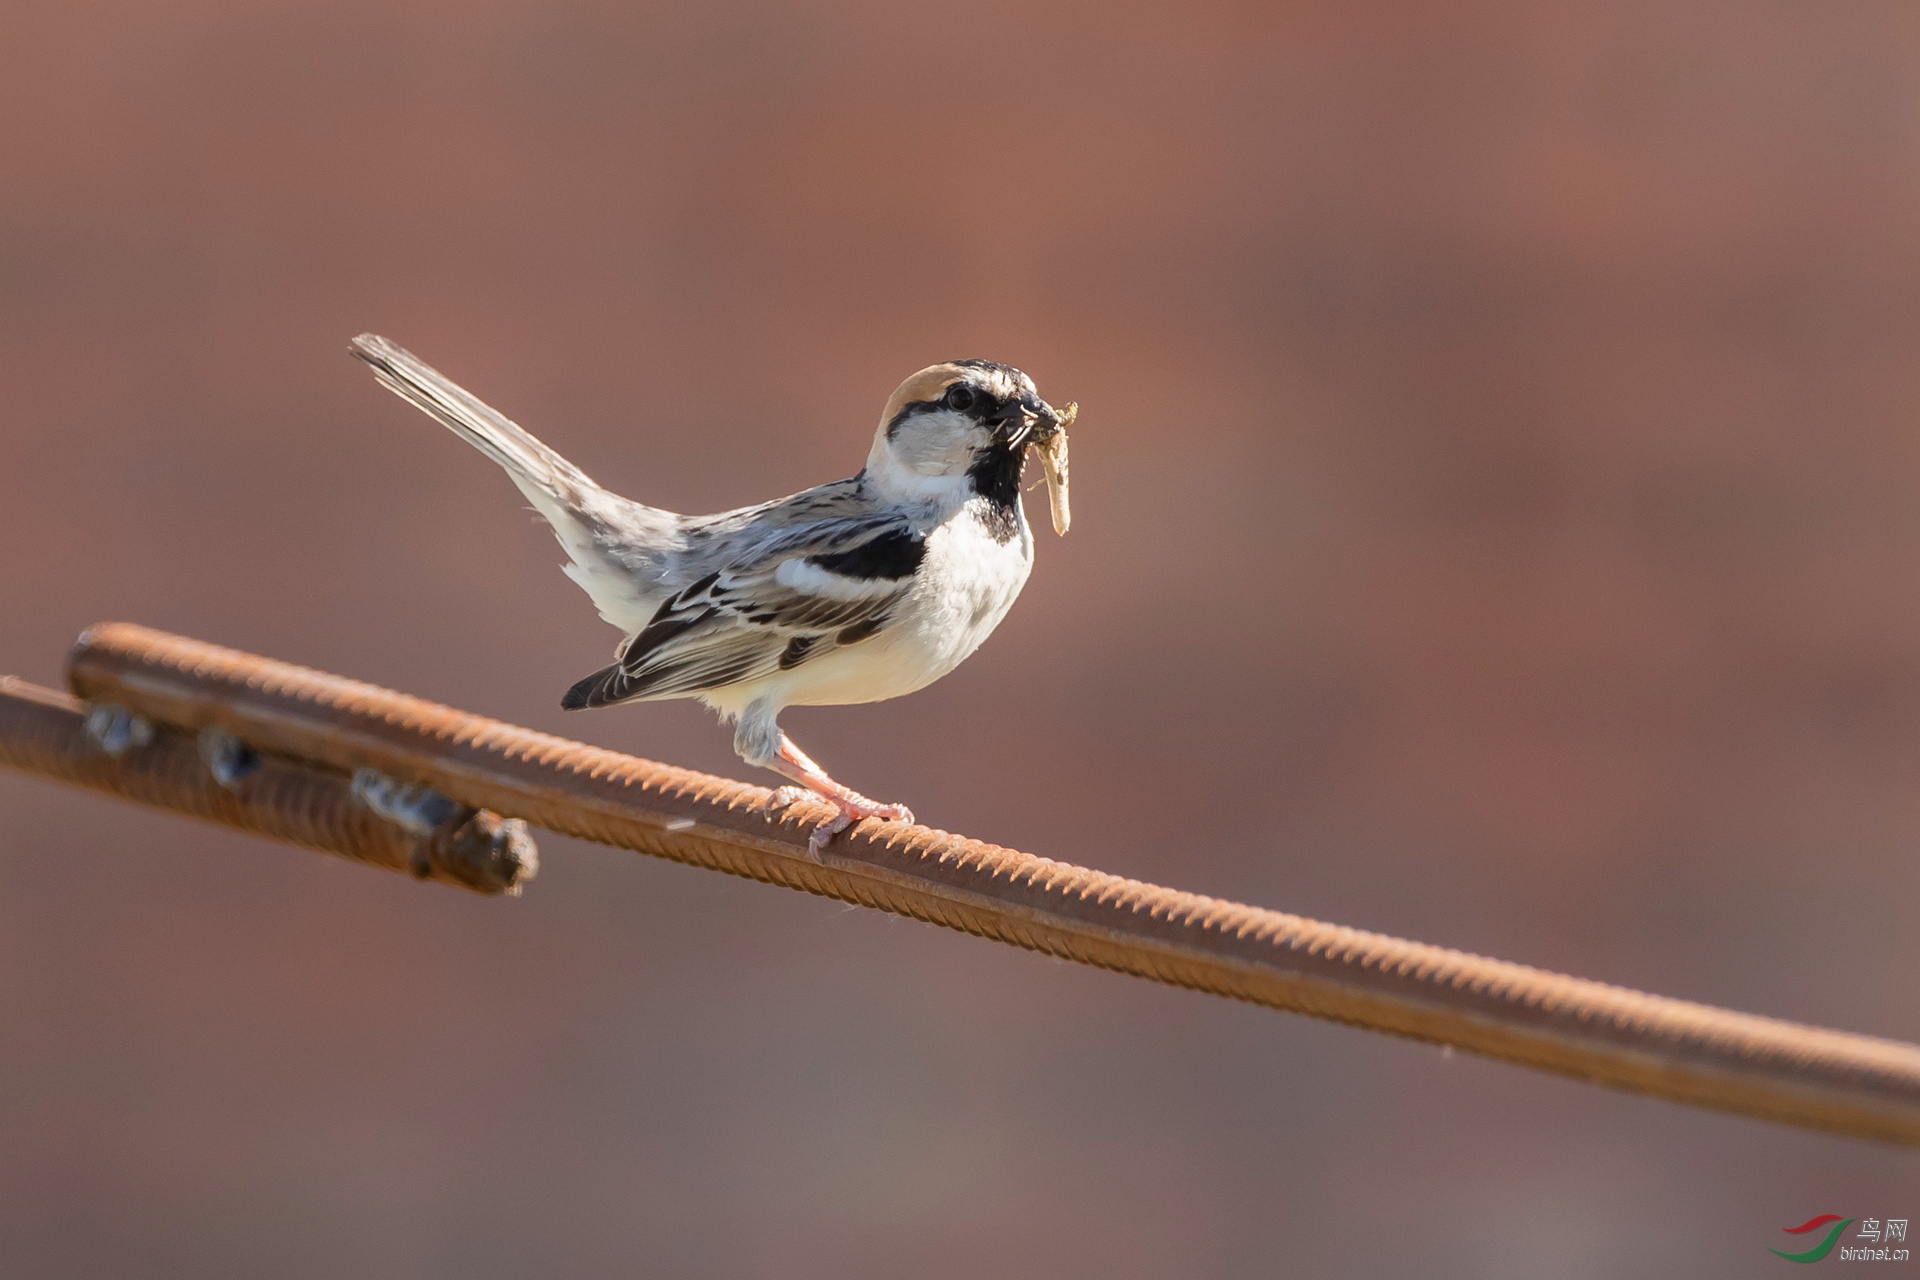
point(1052, 447)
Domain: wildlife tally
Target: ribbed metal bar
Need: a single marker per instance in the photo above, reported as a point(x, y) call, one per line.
point(47, 732)
point(1673, 1049)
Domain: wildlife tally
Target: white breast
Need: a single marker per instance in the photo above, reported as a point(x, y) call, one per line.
point(964, 588)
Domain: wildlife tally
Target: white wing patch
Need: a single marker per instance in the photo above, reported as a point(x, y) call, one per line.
point(802, 575)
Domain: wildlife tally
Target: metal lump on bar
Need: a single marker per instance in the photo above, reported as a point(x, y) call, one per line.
point(1668, 1048)
point(218, 777)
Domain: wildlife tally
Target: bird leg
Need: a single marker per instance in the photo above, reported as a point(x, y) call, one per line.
point(791, 761)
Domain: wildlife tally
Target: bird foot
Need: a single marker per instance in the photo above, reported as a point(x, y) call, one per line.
point(787, 797)
point(852, 806)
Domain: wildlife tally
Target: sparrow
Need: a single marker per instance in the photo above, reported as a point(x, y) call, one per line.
point(857, 590)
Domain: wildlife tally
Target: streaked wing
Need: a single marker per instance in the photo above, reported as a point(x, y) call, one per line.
point(782, 601)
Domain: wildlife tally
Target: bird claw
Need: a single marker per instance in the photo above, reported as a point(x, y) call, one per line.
point(817, 842)
point(852, 809)
point(784, 798)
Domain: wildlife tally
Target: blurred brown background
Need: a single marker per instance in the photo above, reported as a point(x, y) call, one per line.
point(1498, 497)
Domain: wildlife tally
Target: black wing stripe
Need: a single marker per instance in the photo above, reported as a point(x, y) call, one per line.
point(671, 619)
point(860, 631)
point(658, 633)
point(701, 671)
point(893, 555)
point(797, 651)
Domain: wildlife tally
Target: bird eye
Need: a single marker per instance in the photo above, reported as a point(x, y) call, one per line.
point(959, 397)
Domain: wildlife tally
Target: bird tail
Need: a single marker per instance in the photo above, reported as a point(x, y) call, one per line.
point(543, 475)
point(611, 541)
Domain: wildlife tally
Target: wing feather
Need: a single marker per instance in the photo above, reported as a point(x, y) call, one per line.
point(807, 590)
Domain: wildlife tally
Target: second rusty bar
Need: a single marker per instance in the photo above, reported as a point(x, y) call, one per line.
point(106, 749)
point(1609, 1035)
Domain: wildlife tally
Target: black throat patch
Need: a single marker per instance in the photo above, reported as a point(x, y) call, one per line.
point(996, 477)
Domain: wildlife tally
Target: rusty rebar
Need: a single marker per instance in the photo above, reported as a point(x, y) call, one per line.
point(222, 779)
point(1673, 1049)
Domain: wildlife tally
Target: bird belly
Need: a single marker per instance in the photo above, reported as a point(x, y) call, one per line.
point(871, 671)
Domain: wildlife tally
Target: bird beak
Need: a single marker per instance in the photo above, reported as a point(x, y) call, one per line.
point(1045, 428)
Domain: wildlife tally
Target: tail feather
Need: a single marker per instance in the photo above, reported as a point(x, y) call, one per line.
point(612, 541)
point(516, 450)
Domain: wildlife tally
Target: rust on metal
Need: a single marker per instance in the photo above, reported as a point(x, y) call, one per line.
point(1673, 1049)
point(216, 776)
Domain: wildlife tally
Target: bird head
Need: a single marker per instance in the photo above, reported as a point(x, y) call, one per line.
point(969, 422)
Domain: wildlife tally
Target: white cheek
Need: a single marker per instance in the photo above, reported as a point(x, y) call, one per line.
point(925, 460)
point(937, 444)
